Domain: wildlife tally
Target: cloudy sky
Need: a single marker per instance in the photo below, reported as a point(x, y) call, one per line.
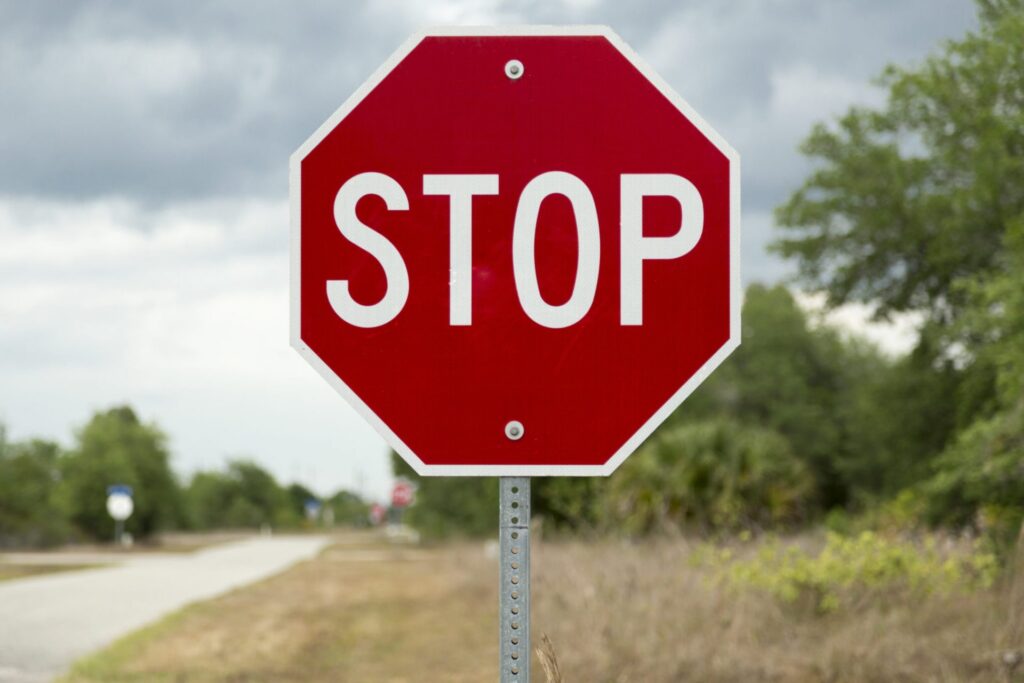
point(143, 187)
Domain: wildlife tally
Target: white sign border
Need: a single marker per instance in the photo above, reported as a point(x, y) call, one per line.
point(634, 442)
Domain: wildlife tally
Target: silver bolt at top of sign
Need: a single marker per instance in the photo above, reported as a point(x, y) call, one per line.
point(514, 69)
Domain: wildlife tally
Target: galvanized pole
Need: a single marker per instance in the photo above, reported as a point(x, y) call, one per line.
point(514, 576)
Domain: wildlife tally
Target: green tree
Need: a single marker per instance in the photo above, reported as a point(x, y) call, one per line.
point(298, 496)
point(979, 479)
point(29, 511)
point(910, 199)
point(919, 205)
point(993, 327)
point(115, 447)
point(245, 496)
point(898, 416)
point(207, 498)
point(349, 509)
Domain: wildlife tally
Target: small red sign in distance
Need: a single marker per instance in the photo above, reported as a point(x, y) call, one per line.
point(402, 493)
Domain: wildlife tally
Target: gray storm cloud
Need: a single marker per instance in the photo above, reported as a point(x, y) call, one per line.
point(167, 101)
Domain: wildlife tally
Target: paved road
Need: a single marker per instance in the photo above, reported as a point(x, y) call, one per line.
point(47, 622)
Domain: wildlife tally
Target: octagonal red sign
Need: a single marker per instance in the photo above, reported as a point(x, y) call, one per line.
point(515, 252)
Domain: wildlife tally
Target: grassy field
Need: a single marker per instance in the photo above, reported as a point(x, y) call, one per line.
point(614, 613)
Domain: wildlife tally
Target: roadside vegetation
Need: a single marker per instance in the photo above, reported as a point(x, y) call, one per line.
point(50, 495)
point(613, 611)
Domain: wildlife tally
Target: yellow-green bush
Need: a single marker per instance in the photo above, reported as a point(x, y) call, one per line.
point(850, 571)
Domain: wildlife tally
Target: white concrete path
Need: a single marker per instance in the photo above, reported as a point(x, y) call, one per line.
point(47, 622)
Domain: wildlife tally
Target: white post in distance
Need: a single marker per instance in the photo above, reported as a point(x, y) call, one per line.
point(120, 507)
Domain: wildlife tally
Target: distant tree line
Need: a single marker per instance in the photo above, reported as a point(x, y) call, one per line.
point(50, 495)
point(913, 207)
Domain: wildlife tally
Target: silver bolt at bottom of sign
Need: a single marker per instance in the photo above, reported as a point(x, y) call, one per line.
point(514, 579)
point(514, 430)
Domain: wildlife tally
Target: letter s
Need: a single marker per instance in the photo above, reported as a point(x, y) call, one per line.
point(366, 238)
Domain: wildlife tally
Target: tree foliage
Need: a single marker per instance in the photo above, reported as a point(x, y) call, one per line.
point(48, 495)
point(919, 206)
point(298, 497)
point(717, 475)
point(245, 496)
point(349, 509)
point(802, 381)
point(115, 447)
point(898, 419)
point(910, 199)
point(979, 480)
point(30, 513)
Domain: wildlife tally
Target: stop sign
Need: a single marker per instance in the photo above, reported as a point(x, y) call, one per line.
point(515, 252)
point(403, 493)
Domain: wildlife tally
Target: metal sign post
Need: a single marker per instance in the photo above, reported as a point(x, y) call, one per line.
point(514, 579)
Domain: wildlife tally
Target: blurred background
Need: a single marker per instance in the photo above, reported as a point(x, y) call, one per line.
point(860, 457)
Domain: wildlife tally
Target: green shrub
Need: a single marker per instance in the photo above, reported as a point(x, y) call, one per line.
point(715, 475)
point(850, 571)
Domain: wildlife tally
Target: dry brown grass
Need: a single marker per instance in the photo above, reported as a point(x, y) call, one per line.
point(549, 660)
point(20, 571)
point(359, 612)
point(628, 613)
point(613, 612)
